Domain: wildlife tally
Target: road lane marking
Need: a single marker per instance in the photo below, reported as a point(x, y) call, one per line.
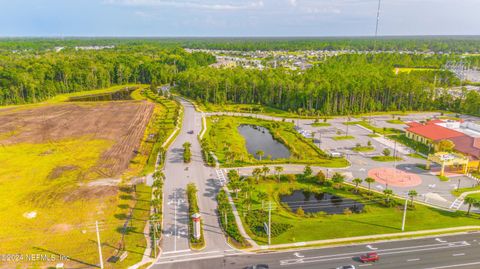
point(370, 247)
point(458, 254)
point(178, 251)
point(368, 264)
point(454, 265)
point(413, 260)
point(382, 252)
point(190, 254)
point(440, 240)
point(298, 255)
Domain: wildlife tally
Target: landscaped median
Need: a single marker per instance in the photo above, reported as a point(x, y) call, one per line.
point(309, 208)
point(195, 244)
point(225, 141)
point(227, 220)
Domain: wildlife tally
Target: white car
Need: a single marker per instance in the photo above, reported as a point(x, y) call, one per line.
point(346, 267)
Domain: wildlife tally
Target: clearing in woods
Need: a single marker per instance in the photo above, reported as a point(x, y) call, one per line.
point(60, 165)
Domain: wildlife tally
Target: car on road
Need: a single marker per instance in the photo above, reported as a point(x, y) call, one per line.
point(190, 132)
point(346, 267)
point(369, 257)
point(257, 266)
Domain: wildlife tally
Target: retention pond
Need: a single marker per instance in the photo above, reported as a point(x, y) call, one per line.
point(260, 139)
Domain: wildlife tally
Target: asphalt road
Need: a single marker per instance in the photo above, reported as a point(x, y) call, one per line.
point(178, 175)
point(457, 251)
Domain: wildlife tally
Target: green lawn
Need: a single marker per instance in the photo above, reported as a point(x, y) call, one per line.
point(363, 149)
point(321, 124)
point(417, 146)
point(223, 138)
point(135, 242)
point(443, 178)
point(247, 108)
point(162, 124)
point(343, 137)
point(377, 219)
point(475, 196)
point(416, 156)
point(395, 121)
point(458, 192)
point(377, 130)
point(386, 158)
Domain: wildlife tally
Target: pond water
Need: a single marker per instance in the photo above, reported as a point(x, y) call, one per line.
point(259, 138)
point(312, 202)
point(123, 94)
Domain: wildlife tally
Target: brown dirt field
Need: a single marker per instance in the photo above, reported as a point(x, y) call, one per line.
point(123, 122)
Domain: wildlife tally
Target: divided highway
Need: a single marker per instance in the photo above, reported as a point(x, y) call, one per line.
point(456, 251)
point(178, 175)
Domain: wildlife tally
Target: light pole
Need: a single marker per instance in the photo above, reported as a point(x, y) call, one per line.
point(404, 214)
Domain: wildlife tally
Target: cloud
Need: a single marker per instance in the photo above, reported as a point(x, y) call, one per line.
point(293, 2)
point(194, 4)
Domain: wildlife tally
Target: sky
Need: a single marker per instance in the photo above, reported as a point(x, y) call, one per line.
point(167, 18)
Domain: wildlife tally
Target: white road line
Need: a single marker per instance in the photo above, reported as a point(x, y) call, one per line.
point(413, 260)
point(368, 264)
point(454, 265)
point(458, 254)
point(175, 221)
point(383, 252)
point(191, 254)
point(178, 251)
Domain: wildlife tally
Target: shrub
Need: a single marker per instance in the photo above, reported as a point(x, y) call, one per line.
point(300, 212)
point(255, 219)
point(229, 225)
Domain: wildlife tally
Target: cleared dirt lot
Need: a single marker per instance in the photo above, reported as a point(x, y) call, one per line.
point(121, 122)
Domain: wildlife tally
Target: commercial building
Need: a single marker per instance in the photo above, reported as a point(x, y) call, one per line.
point(465, 136)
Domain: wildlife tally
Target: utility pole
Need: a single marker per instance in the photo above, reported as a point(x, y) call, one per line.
point(376, 27)
point(269, 221)
point(99, 245)
point(154, 239)
point(404, 214)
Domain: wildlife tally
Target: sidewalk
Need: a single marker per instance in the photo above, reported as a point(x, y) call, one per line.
point(372, 237)
point(241, 229)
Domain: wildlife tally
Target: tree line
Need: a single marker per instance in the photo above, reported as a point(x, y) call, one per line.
point(32, 76)
point(347, 84)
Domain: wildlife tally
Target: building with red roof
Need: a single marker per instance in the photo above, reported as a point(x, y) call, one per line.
point(465, 138)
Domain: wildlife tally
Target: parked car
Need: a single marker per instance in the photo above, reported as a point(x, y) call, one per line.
point(258, 266)
point(346, 267)
point(369, 257)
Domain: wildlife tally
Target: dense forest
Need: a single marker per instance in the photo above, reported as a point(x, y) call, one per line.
point(440, 44)
point(33, 76)
point(348, 84)
point(32, 70)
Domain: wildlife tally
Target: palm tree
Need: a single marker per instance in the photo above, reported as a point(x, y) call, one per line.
point(262, 196)
point(338, 179)
point(357, 182)
point(265, 171)
point(278, 170)
point(157, 184)
point(470, 201)
point(156, 205)
point(387, 193)
point(256, 173)
point(260, 154)
point(369, 181)
point(412, 194)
